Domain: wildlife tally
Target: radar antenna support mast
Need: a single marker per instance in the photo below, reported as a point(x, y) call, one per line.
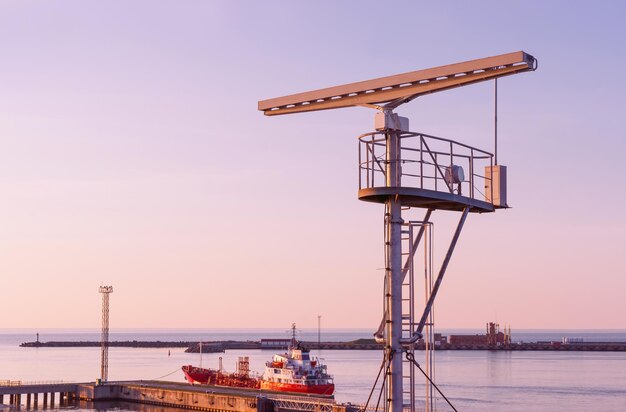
point(434, 179)
point(105, 291)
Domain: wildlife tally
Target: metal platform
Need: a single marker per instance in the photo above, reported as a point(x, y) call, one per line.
point(424, 198)
point(434, 173)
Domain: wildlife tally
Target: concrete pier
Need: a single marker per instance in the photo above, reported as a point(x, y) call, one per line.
point(31, 392)
point(171, 394)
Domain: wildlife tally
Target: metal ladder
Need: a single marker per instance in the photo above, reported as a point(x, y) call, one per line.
point(409, 302)
point(408, 314)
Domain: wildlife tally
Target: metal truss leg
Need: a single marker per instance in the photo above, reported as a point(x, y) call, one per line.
point(442, 271)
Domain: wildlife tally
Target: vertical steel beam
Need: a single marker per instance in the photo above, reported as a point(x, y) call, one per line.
point(416, 242)
point(442, 272)
point(393, 298)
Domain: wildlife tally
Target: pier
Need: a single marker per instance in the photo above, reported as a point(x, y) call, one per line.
point(34, 394)
point(170, 394)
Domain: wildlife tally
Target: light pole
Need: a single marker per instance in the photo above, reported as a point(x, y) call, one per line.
point(319, 329)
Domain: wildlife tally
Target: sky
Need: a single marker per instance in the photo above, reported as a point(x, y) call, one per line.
point(132, 154)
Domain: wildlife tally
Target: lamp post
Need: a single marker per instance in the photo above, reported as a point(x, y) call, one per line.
point(319, 329)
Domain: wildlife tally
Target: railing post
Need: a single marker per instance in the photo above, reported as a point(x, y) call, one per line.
point(436, 166)
point(360, 165)
point(471, 167)
point(491, 178)
point(421, 161)
point(367, 163)
point(451, 185)
point(373, 158)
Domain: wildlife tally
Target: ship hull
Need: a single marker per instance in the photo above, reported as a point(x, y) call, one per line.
point(195, 375)
point(199, 375)
point(324, 389)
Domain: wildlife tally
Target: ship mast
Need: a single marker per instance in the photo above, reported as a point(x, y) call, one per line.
point(294, 342)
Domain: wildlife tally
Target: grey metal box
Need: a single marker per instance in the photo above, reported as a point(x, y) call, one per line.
point(391, 121)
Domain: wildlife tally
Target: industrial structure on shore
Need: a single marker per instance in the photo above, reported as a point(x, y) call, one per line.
point(493, 337)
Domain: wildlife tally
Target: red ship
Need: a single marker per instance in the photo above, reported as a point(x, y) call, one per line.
point(294, 371)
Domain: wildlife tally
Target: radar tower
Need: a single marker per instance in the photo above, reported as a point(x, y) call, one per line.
point(405, 170)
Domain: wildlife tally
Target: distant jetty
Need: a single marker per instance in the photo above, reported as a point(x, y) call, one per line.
point(359, 344)
point(120, 344)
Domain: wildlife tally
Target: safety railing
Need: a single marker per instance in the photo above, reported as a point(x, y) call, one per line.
point(427, 162)
point(302, 403)
point(28, 383)
point(406, 408)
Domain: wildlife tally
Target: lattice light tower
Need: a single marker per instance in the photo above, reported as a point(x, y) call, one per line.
point(104, 337)
point(405, 170)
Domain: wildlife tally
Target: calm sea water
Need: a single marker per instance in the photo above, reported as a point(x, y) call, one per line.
point(473, 380)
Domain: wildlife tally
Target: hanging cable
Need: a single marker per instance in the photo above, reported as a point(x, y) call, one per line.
point(382, 386)
point(171, 373)
point(382, 366)
point(495, 119)
point(411, 358)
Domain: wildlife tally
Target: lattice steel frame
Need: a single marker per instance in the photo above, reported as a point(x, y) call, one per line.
point(104, 338)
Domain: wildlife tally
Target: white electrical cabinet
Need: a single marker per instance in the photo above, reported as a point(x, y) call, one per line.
point(495, 185)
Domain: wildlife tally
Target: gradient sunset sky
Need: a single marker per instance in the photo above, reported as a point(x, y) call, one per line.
point(132, 154)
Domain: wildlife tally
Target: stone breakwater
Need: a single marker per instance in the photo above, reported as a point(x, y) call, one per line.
point(123, 344)
point(360, 344)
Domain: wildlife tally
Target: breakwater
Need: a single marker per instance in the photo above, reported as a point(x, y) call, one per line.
point(360, 344)
point(122, 344)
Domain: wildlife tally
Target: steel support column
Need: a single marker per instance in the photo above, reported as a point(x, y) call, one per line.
point(393, 298)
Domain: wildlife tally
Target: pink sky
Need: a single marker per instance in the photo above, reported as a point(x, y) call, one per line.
point(132, 155)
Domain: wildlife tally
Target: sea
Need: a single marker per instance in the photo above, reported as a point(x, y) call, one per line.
point(471, 380)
